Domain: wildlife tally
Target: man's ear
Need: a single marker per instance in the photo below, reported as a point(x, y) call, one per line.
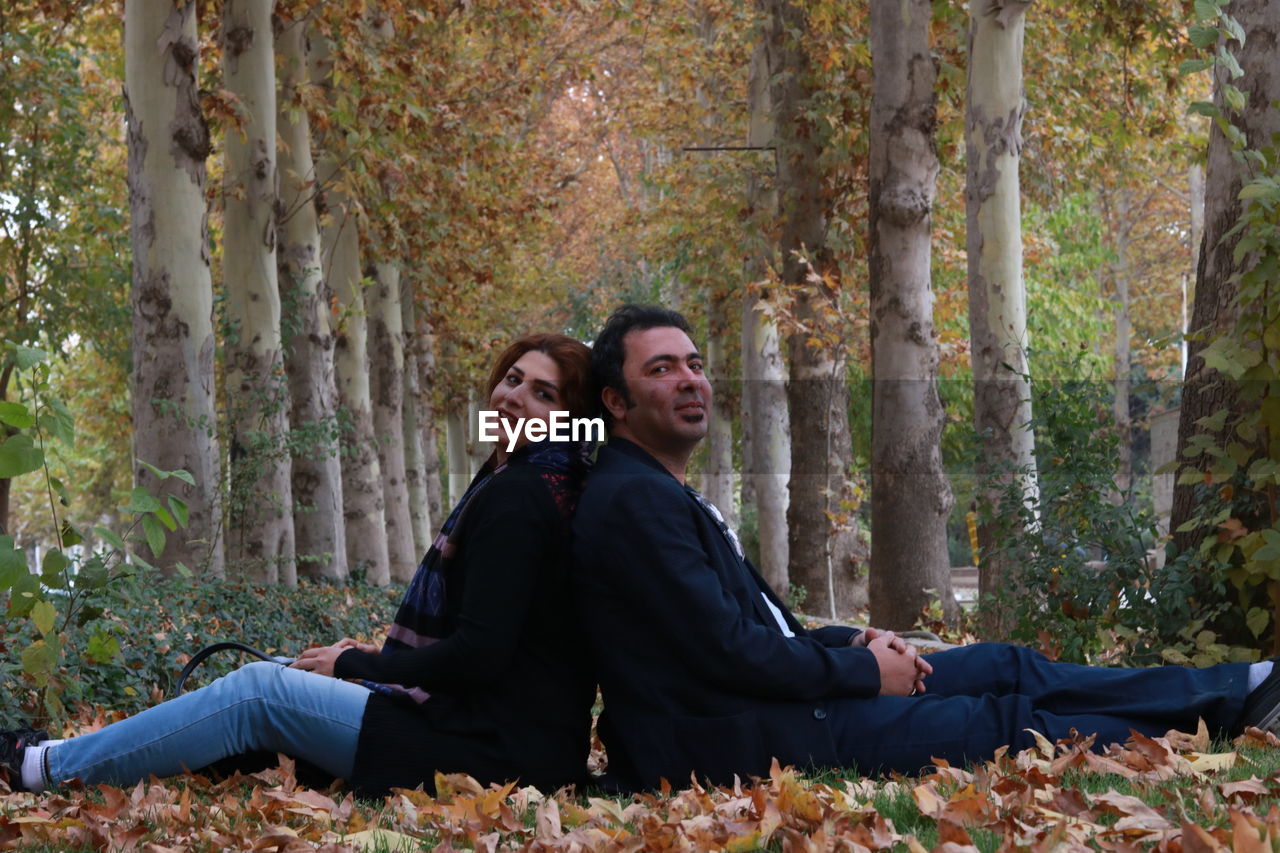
point(614, 403)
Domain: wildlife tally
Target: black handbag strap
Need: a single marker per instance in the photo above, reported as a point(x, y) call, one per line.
point(200, 656)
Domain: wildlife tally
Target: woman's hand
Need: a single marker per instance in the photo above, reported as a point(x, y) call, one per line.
point(368, 648)
point(322, 659)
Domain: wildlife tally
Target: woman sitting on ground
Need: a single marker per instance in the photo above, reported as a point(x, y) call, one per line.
point(483, 671)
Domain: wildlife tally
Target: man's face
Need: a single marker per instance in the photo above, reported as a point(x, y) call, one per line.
point(670, 396)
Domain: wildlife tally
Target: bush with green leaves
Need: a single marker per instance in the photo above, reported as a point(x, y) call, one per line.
point(154, 627)
point(45, 611)
point(1089, 590)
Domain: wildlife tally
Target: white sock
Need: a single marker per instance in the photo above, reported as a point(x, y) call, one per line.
point(32, 767)
point(1258, 673)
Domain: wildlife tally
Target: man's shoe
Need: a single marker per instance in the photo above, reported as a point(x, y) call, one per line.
point(12, 746)
point(1262, 705)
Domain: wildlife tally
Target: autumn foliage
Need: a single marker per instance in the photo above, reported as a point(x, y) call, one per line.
point(1168, 793)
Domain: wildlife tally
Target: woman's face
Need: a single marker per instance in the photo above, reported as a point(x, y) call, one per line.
point(529, 389)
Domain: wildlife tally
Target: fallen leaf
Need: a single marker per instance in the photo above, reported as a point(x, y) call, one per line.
point(1134, 813)
point(1212, 762)
point(1246, 789)
point(1245, 836)
point(1198, 840)
point(1254, 736)
point(1183, 742)
point(377, 840)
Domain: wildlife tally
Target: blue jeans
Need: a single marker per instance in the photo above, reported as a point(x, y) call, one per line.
point(261, 706)
point(985, 696)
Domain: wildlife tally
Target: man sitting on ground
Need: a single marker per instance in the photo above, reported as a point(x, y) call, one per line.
point(704, 670)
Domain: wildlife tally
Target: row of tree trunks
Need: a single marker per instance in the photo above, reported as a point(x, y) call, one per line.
point(910, 493)
point(172, 387)
point(260, 536)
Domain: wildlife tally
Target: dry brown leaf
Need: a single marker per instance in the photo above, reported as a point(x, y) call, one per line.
point(1246, 789)
point(548, 820)
point(928, 800)
point(953, 833)
point(1246, 836)
point(1196, 839)
point(1183, 742)
point(1254, 736)
point(1134, 813)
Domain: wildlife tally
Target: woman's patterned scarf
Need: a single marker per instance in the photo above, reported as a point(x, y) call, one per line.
point(421, 619)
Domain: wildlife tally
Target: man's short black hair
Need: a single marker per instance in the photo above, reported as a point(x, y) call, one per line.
point(608, 353)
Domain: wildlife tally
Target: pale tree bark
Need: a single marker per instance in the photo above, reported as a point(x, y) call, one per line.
point(997, 295)
point(1195, 182)
point(1122, 350)
point(260, 541)
point(428, 422)
point(766, 424)
point(172, 389)
point(820, 553)
point(1216, 306)
point(319, 532)
point(717, 478)
point(386, 387)
point(477, 451)
point(455, 423)
point(415, 471)
point(361, 474)
point(910, 493)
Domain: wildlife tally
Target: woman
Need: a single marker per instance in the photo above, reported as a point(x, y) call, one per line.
point(483, 671)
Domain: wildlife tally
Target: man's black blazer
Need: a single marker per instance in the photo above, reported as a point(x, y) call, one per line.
point(696, 673)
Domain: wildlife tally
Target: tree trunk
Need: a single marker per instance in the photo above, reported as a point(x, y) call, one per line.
point(420, 516)
point(910, 493)
point(319, 532)
point(455, 422)
point(717, 481)
point(172, 392)
point(766, 431)
point(1195, 180)
point(1216, 306)
point(361, 475)
point(997, 298)
point(1120, 408)
point(766, 424)
point(429, 424)
point(477, 451)
point(386, 381)
point(260, 543)
point(818, 392)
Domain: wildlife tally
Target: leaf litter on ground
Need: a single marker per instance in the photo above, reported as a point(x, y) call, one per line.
point(1174, 794)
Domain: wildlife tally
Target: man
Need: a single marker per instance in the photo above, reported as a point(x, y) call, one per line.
point(703, 670)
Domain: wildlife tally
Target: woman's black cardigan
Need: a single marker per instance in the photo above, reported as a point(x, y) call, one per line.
point(511, 689)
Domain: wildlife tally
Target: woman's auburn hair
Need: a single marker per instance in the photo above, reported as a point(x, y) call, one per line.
point(572, 356)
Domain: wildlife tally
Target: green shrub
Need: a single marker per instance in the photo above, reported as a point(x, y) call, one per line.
point(158, 625)
point(1088, 589)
